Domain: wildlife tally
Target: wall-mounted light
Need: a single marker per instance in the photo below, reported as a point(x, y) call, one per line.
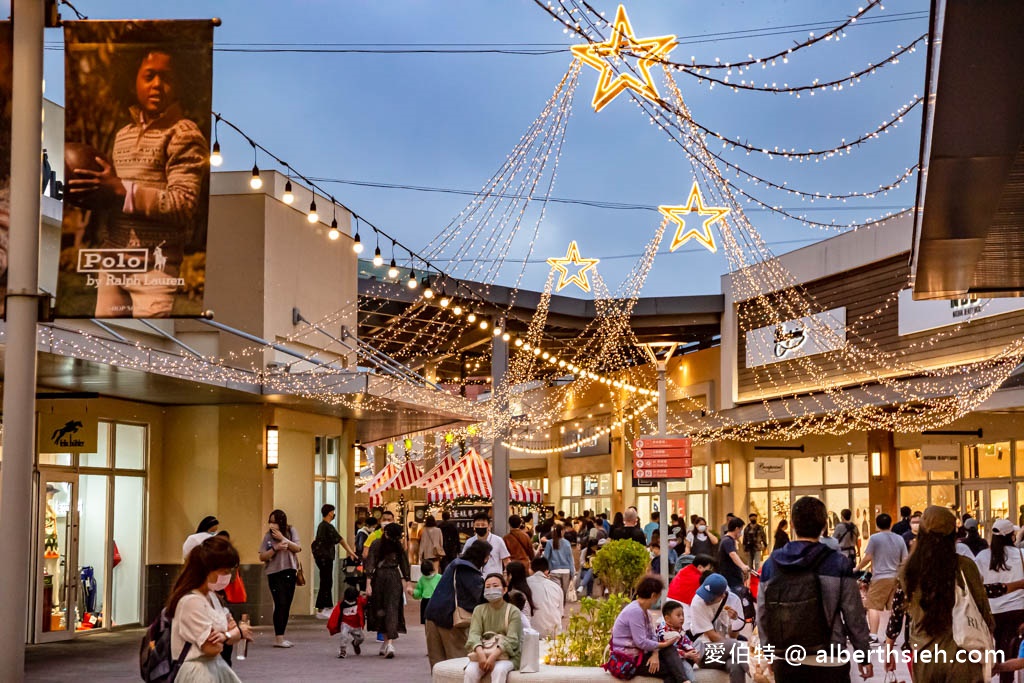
point(357, 456)
point(544, 486)
point(723, 473)
point(618, 480)
point(876, 464)
point(270, 447)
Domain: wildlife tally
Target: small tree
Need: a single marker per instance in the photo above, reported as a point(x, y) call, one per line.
point(584, 642)
point(618, 564)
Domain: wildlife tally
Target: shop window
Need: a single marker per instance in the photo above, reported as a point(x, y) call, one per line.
point(101, 457)
point(858, 469)
point(914, 497)
point(92, 547)
point(759, 504)
point(986, 461)
point(590, 485)
point(332, 456)
point(699, 480)
point(861, 509)
point(696, 504)
point(577, 486)
point(605, 486)
point(1018, 447)
point(837, 470)
point(836, 500)
point(129, 447)
point(1020, 504)
point(60, 459)
point(566, 487)
point(126, 582)
point(807, 472)
point(910, 465)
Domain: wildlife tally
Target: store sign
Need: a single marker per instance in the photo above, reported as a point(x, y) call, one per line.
point(67, 430)
point(769, 468)
point(807, 336)
point(919, 316)
point(668, 457)
point(944, 457)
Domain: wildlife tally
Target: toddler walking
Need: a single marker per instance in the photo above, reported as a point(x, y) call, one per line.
point(348, 619)
point(424, 589)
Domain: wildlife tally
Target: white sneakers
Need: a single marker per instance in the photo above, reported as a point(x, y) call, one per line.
point(325, 613)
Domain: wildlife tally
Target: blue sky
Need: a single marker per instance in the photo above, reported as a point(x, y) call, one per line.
point(448, 120)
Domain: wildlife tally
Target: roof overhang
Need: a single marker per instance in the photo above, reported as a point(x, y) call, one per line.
point(968, 230)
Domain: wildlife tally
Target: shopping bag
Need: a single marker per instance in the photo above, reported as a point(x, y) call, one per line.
point(529, 660)
point(970, 630)
point(235, 592)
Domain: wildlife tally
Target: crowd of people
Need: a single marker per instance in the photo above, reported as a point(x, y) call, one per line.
point(822, 587)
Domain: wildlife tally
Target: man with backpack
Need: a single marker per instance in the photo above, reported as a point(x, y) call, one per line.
point(809, 602)
point(848, 537)
point(754, 541)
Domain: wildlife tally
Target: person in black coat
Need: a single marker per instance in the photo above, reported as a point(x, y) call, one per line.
point(461, 585)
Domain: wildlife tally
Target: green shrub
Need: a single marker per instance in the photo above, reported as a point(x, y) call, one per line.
point(618, 564)
point(583, 643)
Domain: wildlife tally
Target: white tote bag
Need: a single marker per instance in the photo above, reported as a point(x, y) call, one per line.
point(970, 631)
point(529, 661)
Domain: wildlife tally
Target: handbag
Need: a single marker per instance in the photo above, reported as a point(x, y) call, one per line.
point(300, 576)
point(235, 592)
point(970, 631)
point(461, 618)
point(622, 665)
point(492, 642)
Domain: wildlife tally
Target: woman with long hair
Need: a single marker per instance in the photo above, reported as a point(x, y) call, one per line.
point(279, 553)
point(930, 578)
point(198, 620)
point(617, 521)
point(516, 573)
point(1002, 562)
point(387, 567)
point(781, 536)
point(558, 553)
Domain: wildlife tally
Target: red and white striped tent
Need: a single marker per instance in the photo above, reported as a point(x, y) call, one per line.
point(436, 473)
point(472, 476)
point(385, 473)
point(402, 479)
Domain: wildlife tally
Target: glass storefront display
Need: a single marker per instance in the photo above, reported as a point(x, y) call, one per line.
point(91, 521)
point(685, 498)
point(586, 492)
point(326, 487)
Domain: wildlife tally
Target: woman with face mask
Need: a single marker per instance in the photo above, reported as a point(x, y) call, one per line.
point(494, 635)
point(701, 541)
point(198, 621)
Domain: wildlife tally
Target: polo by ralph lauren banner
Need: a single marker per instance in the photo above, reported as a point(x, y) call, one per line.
point(137, 172)
point(6, 76)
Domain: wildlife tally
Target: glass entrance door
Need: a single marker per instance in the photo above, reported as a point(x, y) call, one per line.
point(57, 565)
point(986, 503)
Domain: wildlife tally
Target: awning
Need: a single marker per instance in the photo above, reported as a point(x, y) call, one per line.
point(436, 473)
point(385, 473)
point(402, 479)
point(472, 477)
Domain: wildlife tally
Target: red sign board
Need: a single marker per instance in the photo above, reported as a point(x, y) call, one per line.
point(654, 452)
point(663, 442)
point(664, 473)
point(649, 463)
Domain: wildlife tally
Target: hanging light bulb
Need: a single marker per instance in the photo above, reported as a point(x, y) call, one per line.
point(457, 310)
point(497, 330)
point(483, 324)
point(288, 198)
point(428, 291)
point(378, 260)
point(471, 317)
point(506, 336)
point(445, 301)
point(357, 244)
point(255, 182)
point(215, 158)
point(334, 233)
point(313, 216)
point(412, 282)
point(393, 269)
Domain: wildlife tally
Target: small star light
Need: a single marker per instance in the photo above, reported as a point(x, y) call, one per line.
point(601, 56)
point(572, 257)
point(694, 204)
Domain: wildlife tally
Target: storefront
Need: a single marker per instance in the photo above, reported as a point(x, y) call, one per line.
point(685, 498)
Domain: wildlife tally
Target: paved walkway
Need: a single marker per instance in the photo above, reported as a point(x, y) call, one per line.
point(114, 657)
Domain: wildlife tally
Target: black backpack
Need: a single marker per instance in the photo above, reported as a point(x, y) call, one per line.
point(794, 611)
point(155, 662)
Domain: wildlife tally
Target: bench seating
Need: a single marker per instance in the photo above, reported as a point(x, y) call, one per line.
point(450, 671)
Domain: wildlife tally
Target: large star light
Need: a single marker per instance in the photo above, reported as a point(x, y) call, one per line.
point(602, 56)
point(694, 204)
point(572, 258)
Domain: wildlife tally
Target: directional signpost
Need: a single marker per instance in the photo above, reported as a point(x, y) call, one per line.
point(662, 458)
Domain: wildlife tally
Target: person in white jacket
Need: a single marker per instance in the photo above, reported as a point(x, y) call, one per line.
point(548, 599)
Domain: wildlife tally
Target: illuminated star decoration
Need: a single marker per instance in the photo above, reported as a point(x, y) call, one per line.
point(572, 257)
point(601, 56)
point(694, 204)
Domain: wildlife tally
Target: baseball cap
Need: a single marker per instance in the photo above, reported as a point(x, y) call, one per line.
point(713, 588)
point(971, 523)
point(1003, 527)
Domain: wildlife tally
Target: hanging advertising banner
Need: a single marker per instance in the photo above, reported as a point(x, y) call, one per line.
point(137, 174)
point(769, 468)
point(6, 77)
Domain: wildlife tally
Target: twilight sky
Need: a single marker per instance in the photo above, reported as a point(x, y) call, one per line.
point(449, 120)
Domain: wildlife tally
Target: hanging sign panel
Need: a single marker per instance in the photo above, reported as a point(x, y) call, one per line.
point(940, 457)
point(5, 154)
point(69, 428)
point(807, 336)
point(137, 173)
point(769, 468)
